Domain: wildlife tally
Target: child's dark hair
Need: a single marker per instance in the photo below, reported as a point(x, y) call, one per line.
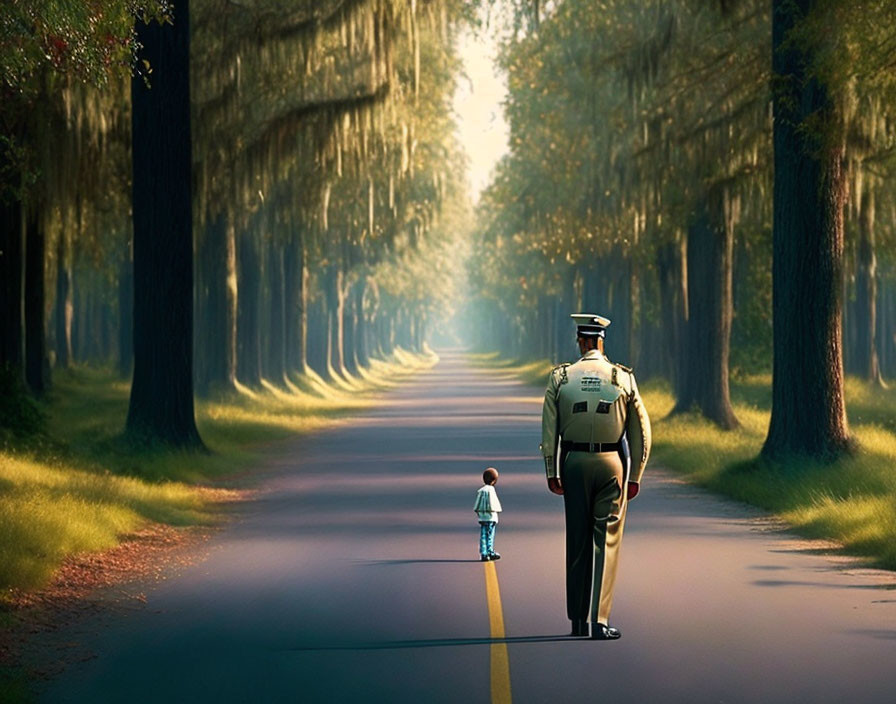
point(490, 476)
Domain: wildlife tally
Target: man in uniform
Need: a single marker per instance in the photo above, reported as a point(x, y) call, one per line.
point(595, 442)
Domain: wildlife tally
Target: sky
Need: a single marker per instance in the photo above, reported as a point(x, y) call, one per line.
point(477, 103)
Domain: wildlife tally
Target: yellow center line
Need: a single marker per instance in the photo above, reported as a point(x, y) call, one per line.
point(500, 663)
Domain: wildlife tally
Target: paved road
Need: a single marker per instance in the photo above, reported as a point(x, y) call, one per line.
point(354, 577)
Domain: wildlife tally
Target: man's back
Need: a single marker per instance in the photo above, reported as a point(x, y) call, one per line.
point(592, 406)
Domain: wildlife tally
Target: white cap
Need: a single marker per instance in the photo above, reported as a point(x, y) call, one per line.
point(589, 324)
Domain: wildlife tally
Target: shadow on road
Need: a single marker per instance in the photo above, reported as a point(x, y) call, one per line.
point(826, 585)
point(371, 563)
point(436, 643)
point(876, 633)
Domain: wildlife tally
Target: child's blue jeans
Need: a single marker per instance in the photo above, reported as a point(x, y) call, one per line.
point(486, 537)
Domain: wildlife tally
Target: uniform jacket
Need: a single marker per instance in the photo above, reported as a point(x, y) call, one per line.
point(594, 401)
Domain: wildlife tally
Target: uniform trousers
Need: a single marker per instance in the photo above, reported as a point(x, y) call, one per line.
point(595, 515)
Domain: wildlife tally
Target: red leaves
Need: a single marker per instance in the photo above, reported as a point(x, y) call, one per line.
point(56, 49)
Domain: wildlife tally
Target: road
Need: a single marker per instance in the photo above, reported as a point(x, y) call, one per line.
point(354, 577)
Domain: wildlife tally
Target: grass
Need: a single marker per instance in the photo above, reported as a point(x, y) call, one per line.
point(80, 487)
point(851, 501)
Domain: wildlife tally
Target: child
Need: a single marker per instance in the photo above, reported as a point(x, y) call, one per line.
point(487, 508)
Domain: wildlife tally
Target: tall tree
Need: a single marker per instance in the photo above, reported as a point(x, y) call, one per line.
point(36, 364)
point(708, 329)
point(11, 274)
point(161, 402)
point(867, 363)
point(808, 406)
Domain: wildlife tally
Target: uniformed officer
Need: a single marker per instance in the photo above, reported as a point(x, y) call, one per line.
point(595, 441)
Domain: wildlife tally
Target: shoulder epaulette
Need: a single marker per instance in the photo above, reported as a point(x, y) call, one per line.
point(627, 370)
point(562, 368)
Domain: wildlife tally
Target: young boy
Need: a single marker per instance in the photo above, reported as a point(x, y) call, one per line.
point(487, 508)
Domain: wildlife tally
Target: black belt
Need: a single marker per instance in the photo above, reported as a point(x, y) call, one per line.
point(590, 446)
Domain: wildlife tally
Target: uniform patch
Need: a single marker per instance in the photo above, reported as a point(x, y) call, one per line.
point(563, 376)
point(591, 382)
point(580, 407)
point(603, 407)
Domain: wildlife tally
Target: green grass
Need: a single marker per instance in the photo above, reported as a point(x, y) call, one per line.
point(851, 501)
point(80, 486)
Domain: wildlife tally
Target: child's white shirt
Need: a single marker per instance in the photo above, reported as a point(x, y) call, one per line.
point(487, 504)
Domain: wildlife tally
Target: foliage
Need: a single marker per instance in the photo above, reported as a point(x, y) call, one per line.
point(625, 118)
point(57, 60)
point(89, 41)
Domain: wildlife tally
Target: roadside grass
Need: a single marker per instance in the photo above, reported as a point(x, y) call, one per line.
point(851, 501)
point(80, 487)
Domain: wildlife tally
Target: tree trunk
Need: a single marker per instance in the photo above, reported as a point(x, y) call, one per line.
point(339, 341)
point(886, 331)
point(362, 356)
point(318, 334)
point(64, 309)
point(351, 330)
point(126, 313)
point(161, 403)
point(90, 323)
point(808, 408)
point(330, 314)
point(291, 305)
point(382, 332)
point(12, 350)
point(216, 307)
point(248, 310)
point(335, 312)
point(866, 361)
point(392, 333)
point(276, 370)
point(106, 336)
point(710, 262)
point(400, 330)
point(672, 272)
point(302, 337)
point(78, 322)
point(36, 364)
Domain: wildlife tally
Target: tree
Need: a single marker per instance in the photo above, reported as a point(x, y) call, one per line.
point(331, 106)
point(11, 271)
point(48, 51)
point(808, 405)
point(161, 402)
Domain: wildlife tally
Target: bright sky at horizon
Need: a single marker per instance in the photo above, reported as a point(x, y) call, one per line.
point(481, 127)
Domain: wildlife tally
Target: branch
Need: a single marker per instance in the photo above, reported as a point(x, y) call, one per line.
point(289, 122)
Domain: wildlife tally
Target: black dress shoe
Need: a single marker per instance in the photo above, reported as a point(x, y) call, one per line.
point(495, 556)
point(601, 632)
point(579, 628)
point(484, 558)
